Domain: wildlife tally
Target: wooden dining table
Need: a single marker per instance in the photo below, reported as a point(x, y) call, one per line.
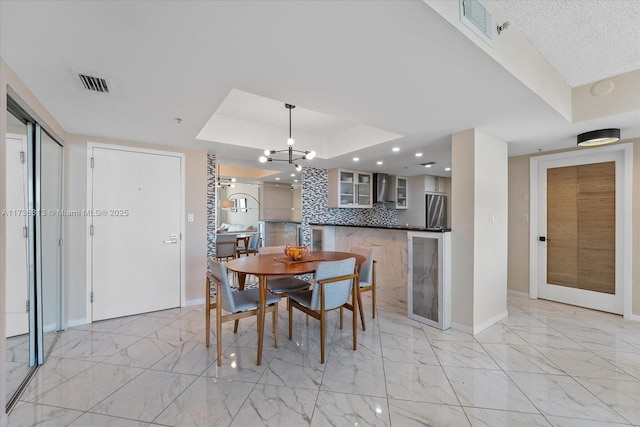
point(267, 265)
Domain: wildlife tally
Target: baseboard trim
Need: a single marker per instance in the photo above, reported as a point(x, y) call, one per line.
point(632, 317)
point(461, 328)
point(518, 293)
point(76, 322)
point(490, 322)
point(197, 301)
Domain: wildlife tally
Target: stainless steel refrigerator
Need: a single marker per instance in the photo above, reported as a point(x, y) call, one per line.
point(436, 211)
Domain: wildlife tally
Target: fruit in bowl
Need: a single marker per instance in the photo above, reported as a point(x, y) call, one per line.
point(296, 253)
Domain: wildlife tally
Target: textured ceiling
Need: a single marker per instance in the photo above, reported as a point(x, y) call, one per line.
point(584, 41)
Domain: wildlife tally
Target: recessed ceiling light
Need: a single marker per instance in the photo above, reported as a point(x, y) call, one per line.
point(418, 154)
point(295, 180)
point(427, 165)
point(379, 162)
point(355, 159)
point(277, 178)
point(293, 174)
point(447, 169)
point(395, 149)
point(233, 180)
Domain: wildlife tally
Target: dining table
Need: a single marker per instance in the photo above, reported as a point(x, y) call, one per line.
point(267, 265)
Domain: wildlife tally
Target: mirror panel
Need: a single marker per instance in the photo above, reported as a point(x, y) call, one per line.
point(16, 251)
point(51, 235)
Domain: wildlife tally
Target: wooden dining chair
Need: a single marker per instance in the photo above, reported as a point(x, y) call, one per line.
point(252, 246)
point(226, 247)
point(334, 284)
point(367, 279)
point(281, 285)
point(237, 305)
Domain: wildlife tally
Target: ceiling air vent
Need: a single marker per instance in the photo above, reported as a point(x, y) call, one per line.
point(477, 18)
point(94, 83)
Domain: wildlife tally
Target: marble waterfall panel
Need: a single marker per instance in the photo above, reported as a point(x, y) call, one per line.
point(390, 253)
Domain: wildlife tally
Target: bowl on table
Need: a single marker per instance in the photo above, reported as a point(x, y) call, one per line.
point(295, 253)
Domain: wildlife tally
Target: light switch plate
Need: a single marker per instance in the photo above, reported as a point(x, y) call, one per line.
point(190, 217)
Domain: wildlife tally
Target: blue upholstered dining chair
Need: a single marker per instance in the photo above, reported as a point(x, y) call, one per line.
point(280, 285)
point(238, 305)
point(226, 246)
point(252, 247)
point(334, 285)
point(367, 279)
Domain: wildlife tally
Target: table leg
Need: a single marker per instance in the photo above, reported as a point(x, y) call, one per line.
point(261, 315)
point(242, 278)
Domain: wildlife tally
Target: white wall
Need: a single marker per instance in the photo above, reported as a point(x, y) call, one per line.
point(490, 238)
point(479, 230)
point(75, 191)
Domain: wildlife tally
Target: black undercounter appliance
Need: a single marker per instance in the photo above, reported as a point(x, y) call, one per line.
point(436, 207)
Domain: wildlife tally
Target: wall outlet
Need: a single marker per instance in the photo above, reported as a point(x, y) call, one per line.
point(524, 217)
point(493, 219)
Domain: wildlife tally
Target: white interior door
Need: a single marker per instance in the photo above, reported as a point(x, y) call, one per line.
point(580, 256)
point(136, 225)
point(16, 241)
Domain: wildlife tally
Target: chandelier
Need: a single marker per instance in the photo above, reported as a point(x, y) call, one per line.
point(302, 155)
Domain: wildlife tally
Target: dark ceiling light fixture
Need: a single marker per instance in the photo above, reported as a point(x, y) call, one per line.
point(303, 155)
point(428, 164)
point(598, 137)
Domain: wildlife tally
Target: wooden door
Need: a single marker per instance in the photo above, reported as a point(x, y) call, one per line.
point(581, 227)
point(580, 238)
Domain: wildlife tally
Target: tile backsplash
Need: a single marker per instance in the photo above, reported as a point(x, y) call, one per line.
point(315, 186)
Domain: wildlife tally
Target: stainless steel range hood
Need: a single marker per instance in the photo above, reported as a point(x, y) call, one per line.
point(384, 188)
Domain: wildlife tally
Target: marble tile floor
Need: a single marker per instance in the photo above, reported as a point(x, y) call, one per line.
point(547, 364)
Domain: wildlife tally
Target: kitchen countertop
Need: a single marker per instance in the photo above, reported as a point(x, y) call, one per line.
point(284, 221)
point(388, 227)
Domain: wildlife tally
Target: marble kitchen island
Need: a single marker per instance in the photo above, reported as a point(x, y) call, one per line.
point(391, 252)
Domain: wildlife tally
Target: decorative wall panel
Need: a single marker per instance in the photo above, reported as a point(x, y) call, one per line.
point(211, 206)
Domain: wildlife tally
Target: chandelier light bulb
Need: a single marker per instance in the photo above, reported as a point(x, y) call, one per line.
point(263, 159)
point(267, 152)
point(310, 155)
point(298, 168)
point(290, 141)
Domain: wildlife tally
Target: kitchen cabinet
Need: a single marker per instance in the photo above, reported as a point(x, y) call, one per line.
point(401, 192)
point(349, 189)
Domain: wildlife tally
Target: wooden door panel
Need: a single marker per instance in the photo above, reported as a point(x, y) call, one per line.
point(581, 226)
point(562, 226)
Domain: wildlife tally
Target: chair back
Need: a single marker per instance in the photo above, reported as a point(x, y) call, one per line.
point(367, 267)
point(254, 241)
point(268, 250)
point(220, 277)
point(226, 245)
point(335, 294)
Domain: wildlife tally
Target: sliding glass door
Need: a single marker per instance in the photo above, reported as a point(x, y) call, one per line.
point(33, 251)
